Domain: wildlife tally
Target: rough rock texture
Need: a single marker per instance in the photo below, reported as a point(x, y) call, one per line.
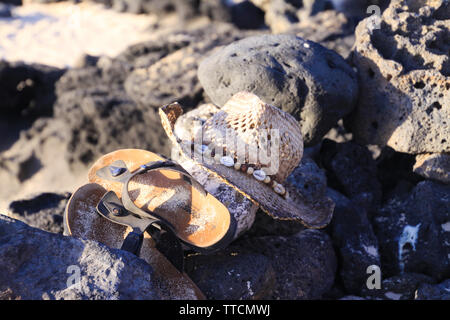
point(27, 90)
point(304, 264)
point(414, 233)
point(355, 242)
point(242, 209)
point(298, 76)
point(282, 14)
point(309, 179)
point(101, 118)
point(433, 166)
point(174, 77)
point(439, 291)
point(39, 265)
point(329, 28)
point(401, 287)
point(404, 72)
point(352, 170)
point(232, 276)
point(44, 211)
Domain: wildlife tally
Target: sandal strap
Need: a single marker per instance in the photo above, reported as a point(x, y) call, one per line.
point(118, 171)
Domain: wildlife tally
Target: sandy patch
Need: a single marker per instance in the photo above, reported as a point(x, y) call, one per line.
point(58, 34)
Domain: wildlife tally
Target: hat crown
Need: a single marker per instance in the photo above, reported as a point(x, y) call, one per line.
point(256, 133)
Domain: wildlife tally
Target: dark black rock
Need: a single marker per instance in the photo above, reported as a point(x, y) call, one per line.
point(395, 173)
point(27, 90)
point(232, 276)
point(304, 264)
point(439, 291)
point(265, 225)
point(101, 121)
point(14, 2)
point(309, 179)
point(5, 11)
point(413, 232)
point(355, 242)
point(185, 9)
point(401, 287)
point(44, 211)
point(299, 76)
point(352, 171)
point(245, 15)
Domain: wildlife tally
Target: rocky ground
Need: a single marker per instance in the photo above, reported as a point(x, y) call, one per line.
point(372, 97)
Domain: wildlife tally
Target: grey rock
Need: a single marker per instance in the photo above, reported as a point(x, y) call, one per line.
point(43, 211)
point(355, 242)
point(352, 171)
point(304, 264)
point(401, 287)
point(298, 76)
point(282, 14)
point(439, 291)
point(99, 121)
point(232, 276)
point(39, 265)
point(413, 232)
point(433, 166)
point(404, 74)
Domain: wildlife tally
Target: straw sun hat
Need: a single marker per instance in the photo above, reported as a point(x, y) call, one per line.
point(253, 147)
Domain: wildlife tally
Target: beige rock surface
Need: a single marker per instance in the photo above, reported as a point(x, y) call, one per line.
point(404, 73)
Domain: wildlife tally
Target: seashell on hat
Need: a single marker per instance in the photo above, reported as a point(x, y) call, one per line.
point(247, 119)
point(253, 147)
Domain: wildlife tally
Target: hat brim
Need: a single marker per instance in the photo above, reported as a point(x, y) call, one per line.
point(313, 213)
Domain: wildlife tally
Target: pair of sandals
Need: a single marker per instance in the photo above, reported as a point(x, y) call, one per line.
point(132, 193)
